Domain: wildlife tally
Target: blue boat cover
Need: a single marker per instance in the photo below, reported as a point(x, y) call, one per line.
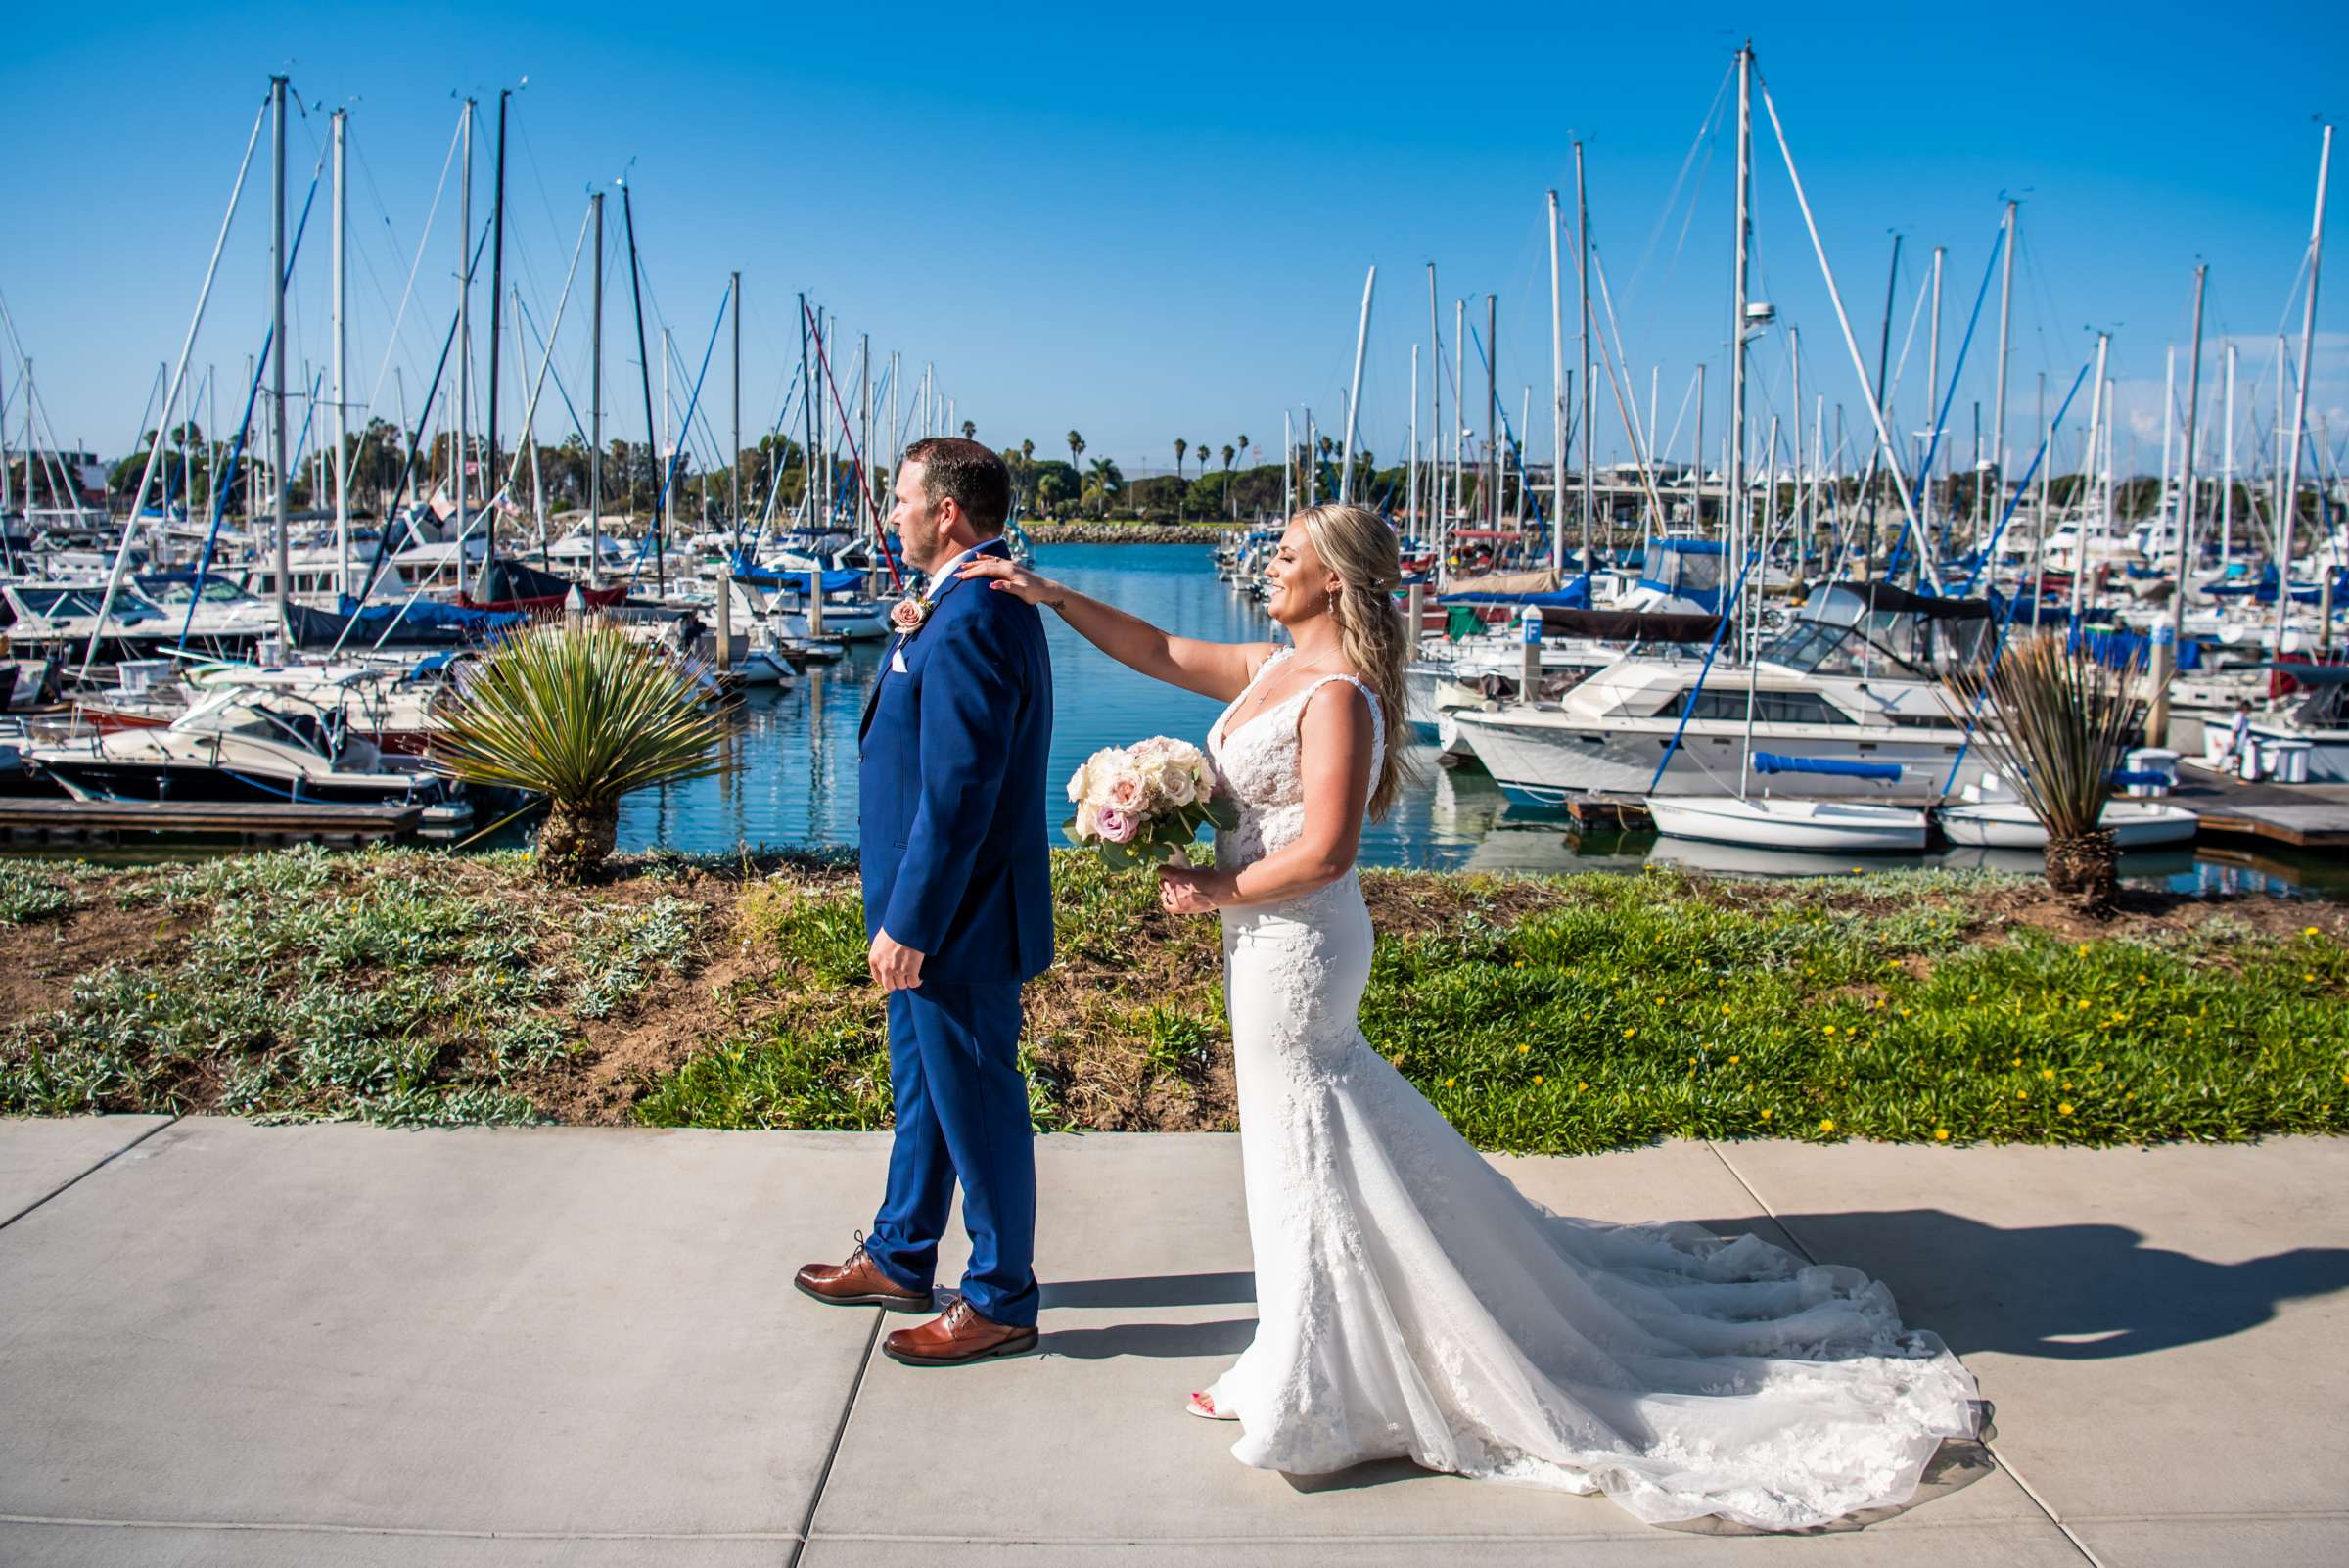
point(1576, 595)
point(1772, 763)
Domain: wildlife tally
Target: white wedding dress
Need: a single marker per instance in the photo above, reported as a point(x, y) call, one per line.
point(1410, 1303)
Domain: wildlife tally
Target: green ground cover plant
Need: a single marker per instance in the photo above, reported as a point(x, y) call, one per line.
point(1547, 1015)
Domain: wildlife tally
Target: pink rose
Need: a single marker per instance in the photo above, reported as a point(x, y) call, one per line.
point(1116, 826)
point(1126, 794)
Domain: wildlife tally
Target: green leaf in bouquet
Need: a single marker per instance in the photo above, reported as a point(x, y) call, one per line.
point(1223, 811)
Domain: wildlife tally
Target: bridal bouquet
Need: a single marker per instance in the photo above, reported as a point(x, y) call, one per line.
point(1140, 805)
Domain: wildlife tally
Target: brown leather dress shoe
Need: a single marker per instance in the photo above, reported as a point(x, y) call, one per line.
point(860, 1282)
point(957, 1336)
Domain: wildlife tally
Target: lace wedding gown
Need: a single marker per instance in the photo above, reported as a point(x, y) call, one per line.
point(1411, 1302)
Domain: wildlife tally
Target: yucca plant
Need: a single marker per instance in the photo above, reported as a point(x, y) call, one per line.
point(2058, 720)
point(581, 714)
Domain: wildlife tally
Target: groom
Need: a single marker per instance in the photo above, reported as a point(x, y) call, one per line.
point(958, 911)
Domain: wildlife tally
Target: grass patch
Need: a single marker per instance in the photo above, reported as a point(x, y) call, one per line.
point(390, 986)
point(1549, 1015)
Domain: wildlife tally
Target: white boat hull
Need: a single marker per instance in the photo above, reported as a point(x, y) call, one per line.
point(2009, 824)
point(1549, 763)
point(1849, 826)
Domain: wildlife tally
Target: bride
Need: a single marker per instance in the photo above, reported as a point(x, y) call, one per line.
point(1409, 1301)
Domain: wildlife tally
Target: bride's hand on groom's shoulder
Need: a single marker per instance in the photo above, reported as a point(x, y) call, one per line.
point(1008, 577)
point(1182, 890)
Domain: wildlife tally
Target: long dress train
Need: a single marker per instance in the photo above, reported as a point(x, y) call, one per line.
point(1413, 1304)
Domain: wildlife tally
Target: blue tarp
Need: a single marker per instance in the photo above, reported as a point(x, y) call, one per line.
point(2119, 649)
point(429, 614)
point(758, 576)
point(1576, 595)
point(1772, 763)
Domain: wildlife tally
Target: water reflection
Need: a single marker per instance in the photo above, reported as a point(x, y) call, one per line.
point(795, 784)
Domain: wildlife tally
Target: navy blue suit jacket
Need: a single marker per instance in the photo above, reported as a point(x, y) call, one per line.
point(952, 811)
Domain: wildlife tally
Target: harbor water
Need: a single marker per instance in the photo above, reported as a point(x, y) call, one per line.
point(792, 784)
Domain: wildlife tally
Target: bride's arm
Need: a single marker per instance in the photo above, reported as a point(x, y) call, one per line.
point(1333, 764)
point(1219, 670)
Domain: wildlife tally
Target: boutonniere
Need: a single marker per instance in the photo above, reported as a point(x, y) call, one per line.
point(909, 614)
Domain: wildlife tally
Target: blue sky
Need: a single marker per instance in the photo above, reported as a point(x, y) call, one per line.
point(1156, 225)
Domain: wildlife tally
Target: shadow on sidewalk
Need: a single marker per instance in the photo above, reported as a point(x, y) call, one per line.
point(2076, 1292)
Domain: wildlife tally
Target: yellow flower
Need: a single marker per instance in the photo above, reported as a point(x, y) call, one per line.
point(1828, 1029)
point(1537, 1078)
point(1766, 1113)
point(1447, 1082)
point(1941, 1135)
point(1519, 964)
point(1826, 1124)
point(1579, 1088)
point(2047, 1072)
point(2083, 950)
point(1725, 1009)
point(1629, 1032)
point(2066, 1109)
point(1522, 1049)
point(2312, 932)
point(2308, 977)
point(1735, 1059)
point(2022, 1095)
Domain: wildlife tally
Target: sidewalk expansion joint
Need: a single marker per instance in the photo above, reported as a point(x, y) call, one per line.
point(840, 1432)
point(316, 1527)
point(93, 1170)
point(2029, 1491)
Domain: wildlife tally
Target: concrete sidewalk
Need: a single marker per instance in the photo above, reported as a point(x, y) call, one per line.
point(225, 1344)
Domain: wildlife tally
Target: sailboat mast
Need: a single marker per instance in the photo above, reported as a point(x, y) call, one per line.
point(595, 410)
point(342, 583)
point(1557, 397)
point(2165, 636)
point(1998, 415)
point(498, 286)
point(277, 334)
point(1434, 427)
point(1410, 502)
point(1734, 520)
point(1582, 240)
point(1924, 480)
point(2088, 468)
point(734, 462)
point(644, 375)
point(1354, 394)
point(2227, 468)
point(2308, 330)
point(464, 329)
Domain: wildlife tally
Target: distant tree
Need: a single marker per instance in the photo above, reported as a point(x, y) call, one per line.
point(970, 431)
point(1027, 453)
point(1075, 448)
point(1103, 483)
point(1180, 446)
point(1228, 454)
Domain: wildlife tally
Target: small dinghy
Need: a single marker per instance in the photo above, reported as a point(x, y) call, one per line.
point(1844, 827)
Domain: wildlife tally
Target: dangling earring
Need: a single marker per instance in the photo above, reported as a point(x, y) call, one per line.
point(1329, 602)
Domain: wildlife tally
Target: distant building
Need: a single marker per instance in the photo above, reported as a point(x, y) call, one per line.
point(51, 473)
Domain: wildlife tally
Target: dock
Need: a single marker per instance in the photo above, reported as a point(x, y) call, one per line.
point(2305, 816)
point(42, 820)
point(2299, 817)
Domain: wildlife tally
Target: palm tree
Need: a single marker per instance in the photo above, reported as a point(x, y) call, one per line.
point(1026, 455)
point(970, 431)
point(2058, 720)
point(581, 716)
point(1075, 448)
point(1228, 454)
point(1103, 483)
point(1180, 446)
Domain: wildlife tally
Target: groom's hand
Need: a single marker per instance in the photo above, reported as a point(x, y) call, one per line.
point(895, 966)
